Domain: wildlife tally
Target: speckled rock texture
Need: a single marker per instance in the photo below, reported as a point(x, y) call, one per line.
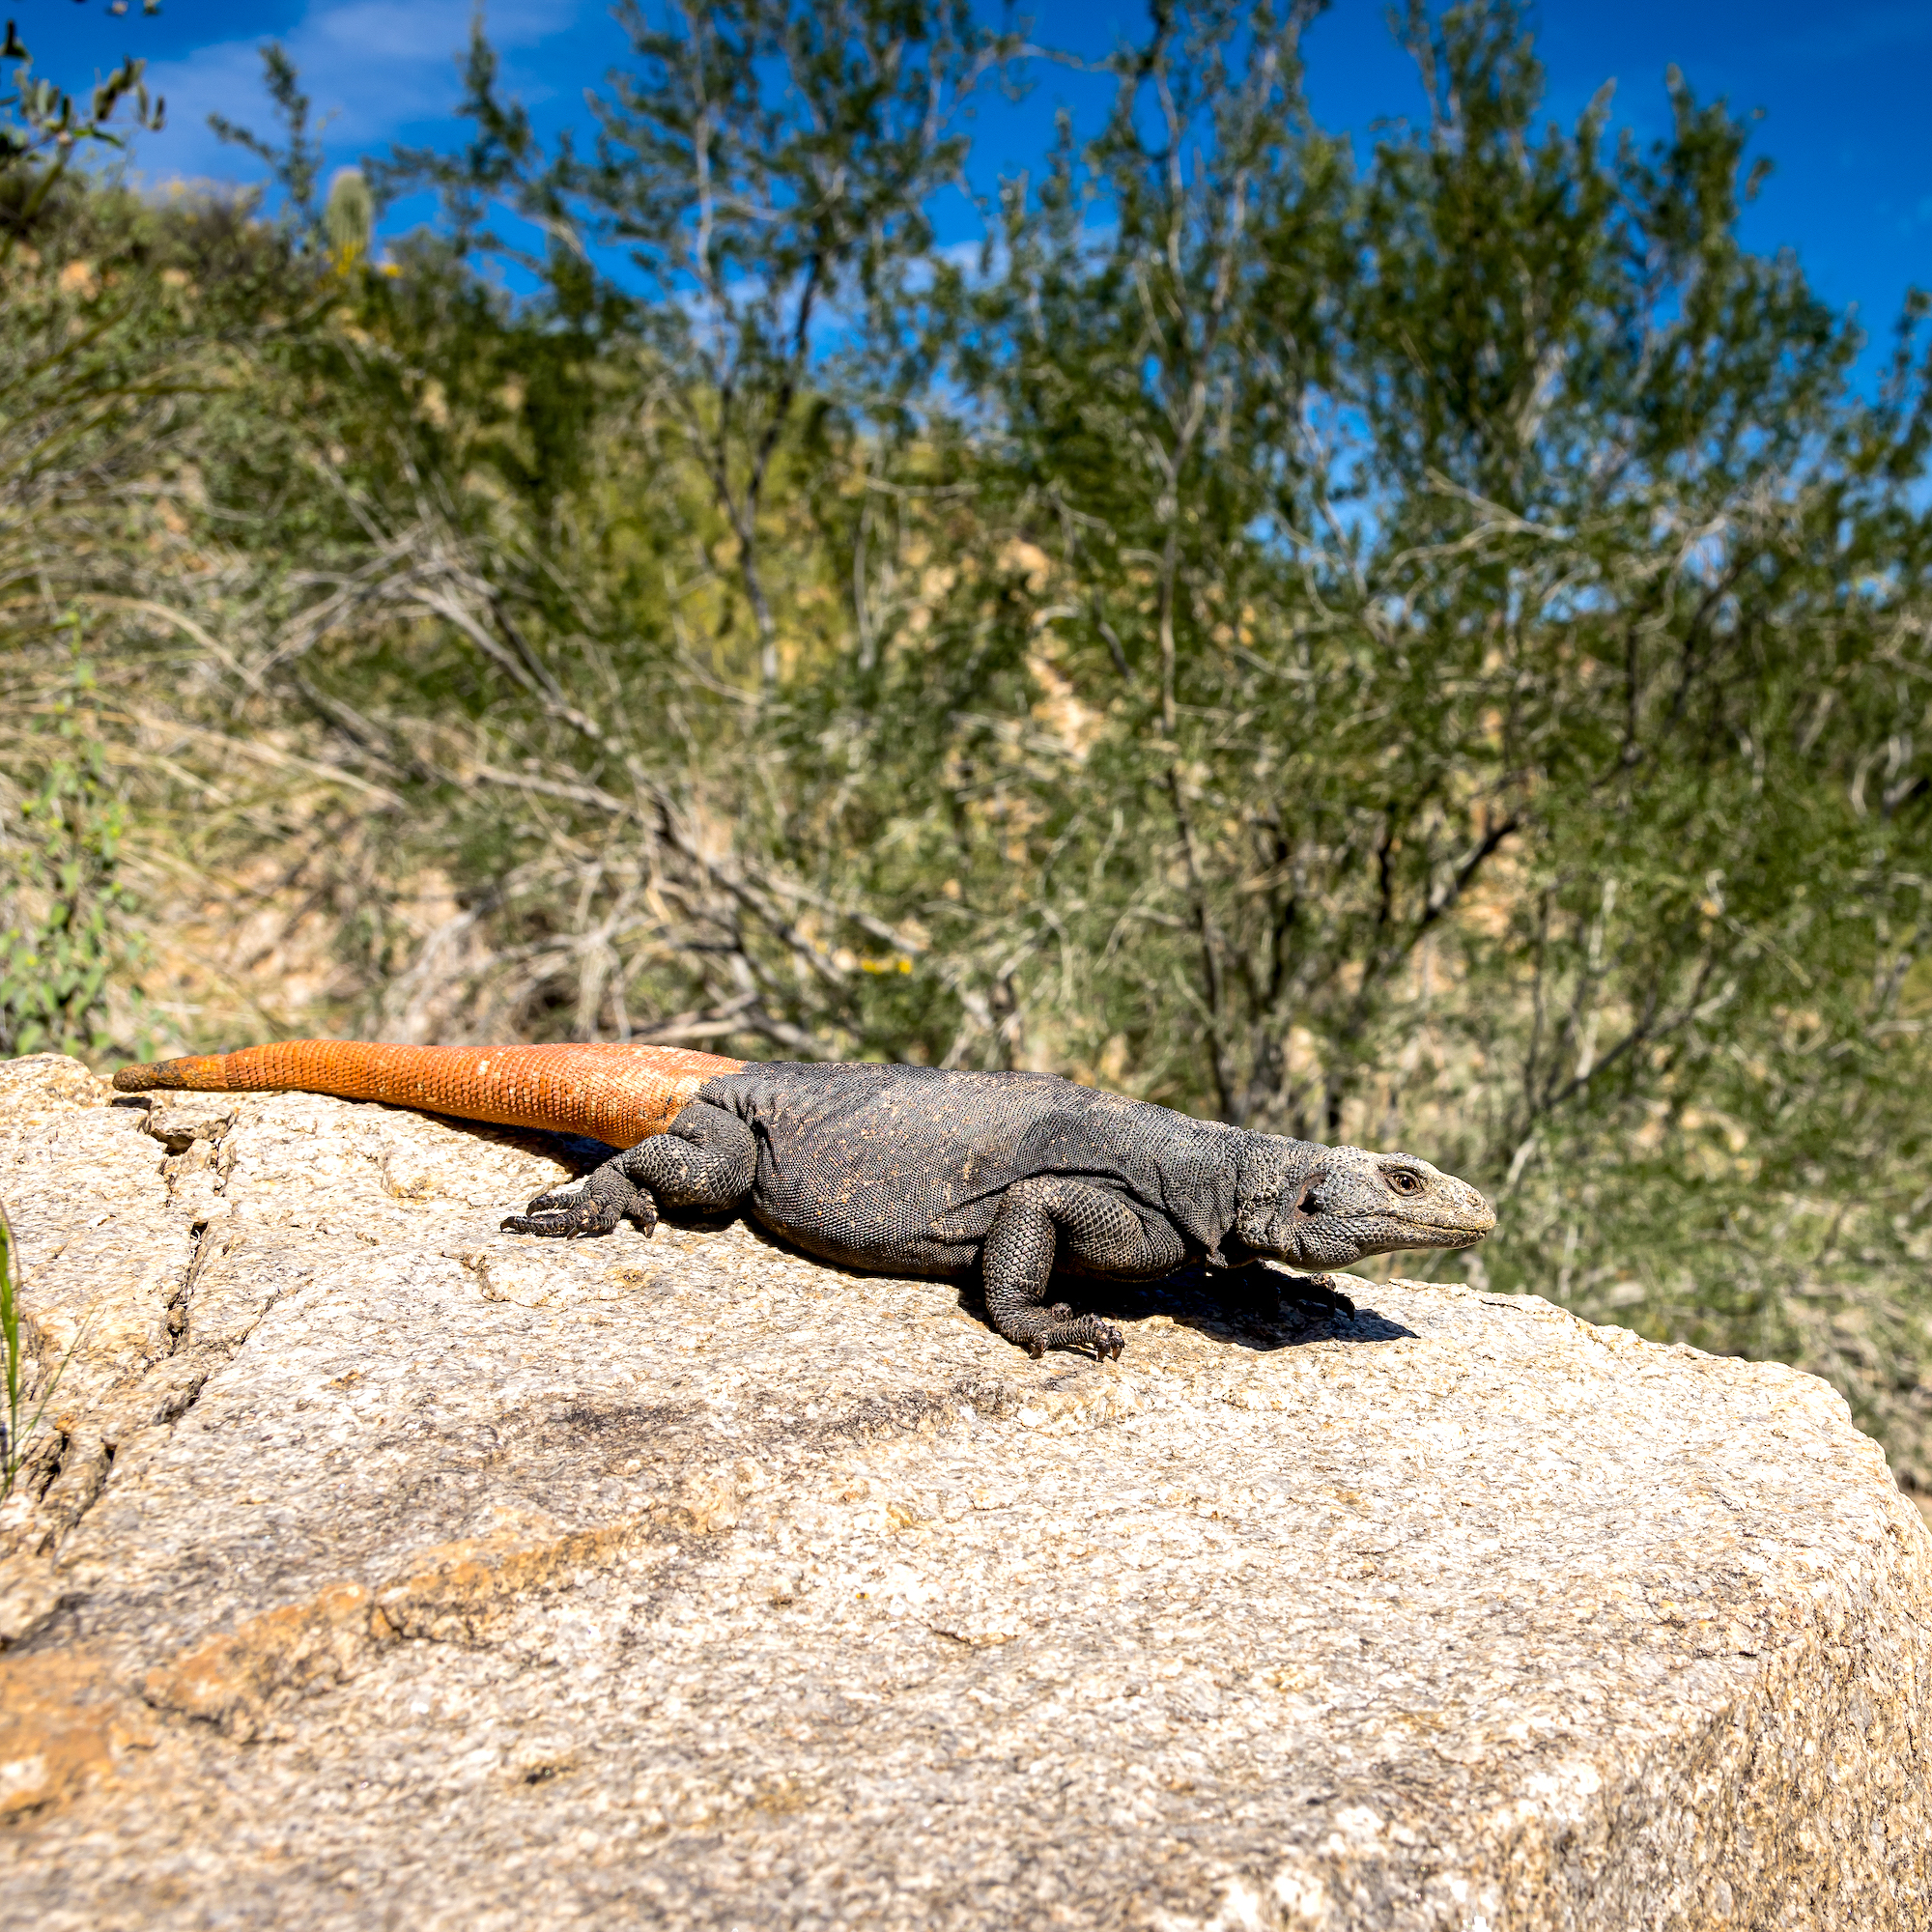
point(386, 1571)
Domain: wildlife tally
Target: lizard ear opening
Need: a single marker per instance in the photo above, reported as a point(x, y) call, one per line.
point(1275, 1191)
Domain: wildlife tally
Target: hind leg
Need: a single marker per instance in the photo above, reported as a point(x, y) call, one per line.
point(707, 1158)
point(1045, 1216)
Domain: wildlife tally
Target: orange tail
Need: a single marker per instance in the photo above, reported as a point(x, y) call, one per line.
point(618, 1094)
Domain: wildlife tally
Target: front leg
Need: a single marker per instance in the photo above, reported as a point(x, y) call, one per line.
point(707, 1158)
point(1100, 1233)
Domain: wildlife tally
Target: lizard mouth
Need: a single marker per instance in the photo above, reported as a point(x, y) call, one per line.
point(1390, 1230)
point(1447, 1234)
point(1447, 1237)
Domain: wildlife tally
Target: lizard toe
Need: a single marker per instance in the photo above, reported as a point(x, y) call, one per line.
point(1078, 1331)
point(1330, 1297)
point(533, 1224)
point(1319, 1294)
point(575, 1217)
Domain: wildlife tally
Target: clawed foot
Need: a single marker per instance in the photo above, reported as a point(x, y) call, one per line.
point(559, 1214)
point(1317, 1291)
point(1068, 1330)
point(578, 1214)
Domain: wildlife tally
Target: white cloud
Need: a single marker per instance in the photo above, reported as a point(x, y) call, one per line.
point(369, 68)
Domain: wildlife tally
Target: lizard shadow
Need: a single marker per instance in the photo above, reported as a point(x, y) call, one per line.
point(1234, 1309)
point(577, 1152)
point(1239, 1310)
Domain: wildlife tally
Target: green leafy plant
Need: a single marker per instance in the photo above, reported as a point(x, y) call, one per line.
point(43, 128)
point(67, 936)
point(14, 1436)
point(297, 166)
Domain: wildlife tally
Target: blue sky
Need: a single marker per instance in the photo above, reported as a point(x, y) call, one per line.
point(1843, 90)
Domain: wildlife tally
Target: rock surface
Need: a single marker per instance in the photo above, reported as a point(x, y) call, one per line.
point(388, 1571)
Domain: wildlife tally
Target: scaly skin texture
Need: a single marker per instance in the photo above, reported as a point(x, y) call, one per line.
point(905, 1169)
point(617, 1095)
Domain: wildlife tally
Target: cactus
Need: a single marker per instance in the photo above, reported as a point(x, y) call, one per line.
point(350, 217)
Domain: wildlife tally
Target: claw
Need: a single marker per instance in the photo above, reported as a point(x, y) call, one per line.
point(534, 1223)
point(1338, 1302)
point(579, 1215)
point(1319, 1290)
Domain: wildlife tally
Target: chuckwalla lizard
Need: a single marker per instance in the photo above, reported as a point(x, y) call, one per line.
point(906, 1170)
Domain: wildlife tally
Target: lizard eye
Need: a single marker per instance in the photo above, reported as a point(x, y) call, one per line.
point(1404, 1181)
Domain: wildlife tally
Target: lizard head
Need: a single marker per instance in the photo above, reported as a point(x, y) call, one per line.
point(1321, 1208)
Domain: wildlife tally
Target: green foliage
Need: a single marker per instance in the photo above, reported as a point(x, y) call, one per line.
point(43, 128)
point(15, 1436)
point(296, 166)
point(751, 211)
point(9, 1342)
point(67, 936)
point(40, 120)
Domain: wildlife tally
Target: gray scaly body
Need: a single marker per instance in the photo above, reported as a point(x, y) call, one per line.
point(914, 1171)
